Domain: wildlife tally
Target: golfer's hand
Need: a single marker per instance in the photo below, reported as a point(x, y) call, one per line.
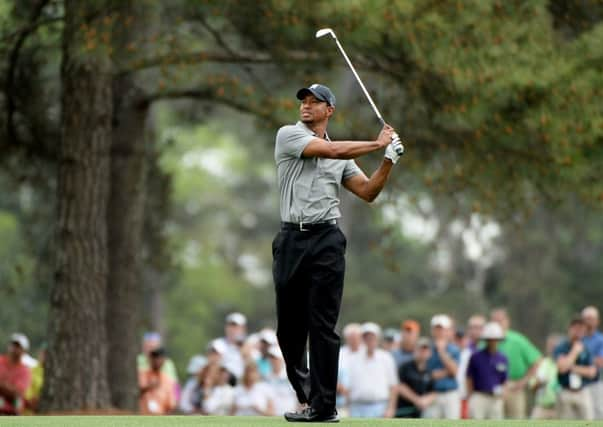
point(385, 136)
point(395, 149)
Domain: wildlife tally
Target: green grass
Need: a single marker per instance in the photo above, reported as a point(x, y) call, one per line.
point(198, 421)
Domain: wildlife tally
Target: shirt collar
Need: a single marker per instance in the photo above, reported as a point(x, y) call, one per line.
point(310, 131)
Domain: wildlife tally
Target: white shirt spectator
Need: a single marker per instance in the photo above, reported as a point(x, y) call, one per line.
point(246, 400)
point(346, 352)
point(370, 378)
point(232, 358)
point(461, 372)
point(187, 396)
point(285, 398)
point(219, 401)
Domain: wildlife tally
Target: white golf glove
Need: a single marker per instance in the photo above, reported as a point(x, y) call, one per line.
point(395, 149)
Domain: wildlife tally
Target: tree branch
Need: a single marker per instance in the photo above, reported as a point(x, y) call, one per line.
point(207, 94)
point(195, 58)
point(31, 27)
point(13, 58)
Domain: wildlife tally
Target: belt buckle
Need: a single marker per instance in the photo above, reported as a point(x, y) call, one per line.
point(301, 227)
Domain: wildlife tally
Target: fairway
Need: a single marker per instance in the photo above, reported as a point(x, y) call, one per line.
point(193, 421)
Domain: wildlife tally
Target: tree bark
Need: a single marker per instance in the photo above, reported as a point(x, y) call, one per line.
point(125, 214)
point(76, 370)
point(125, 217)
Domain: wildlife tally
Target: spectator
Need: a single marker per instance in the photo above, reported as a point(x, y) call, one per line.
point(486, 376)
point(475, 325)
point(192, 394)
point(443, 366)
point(372, 378)
point(32, 395)
point(545, 383)
point(219, 398)
point(352, 334)
point(252, 397)
point(575, 366)
point(15, 377)
point(195, 364)
point(267, 339)
point(461, 340)
point(593, 340)
point(157, 391)
point(391, 340)
point(206, 380)
point(152, 341)
point(523, 358)
point(416, 385)
point(285, 400)
point(410, 330)
point(235, 330)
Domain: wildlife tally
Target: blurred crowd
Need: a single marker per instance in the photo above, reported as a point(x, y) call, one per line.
point(481, 369)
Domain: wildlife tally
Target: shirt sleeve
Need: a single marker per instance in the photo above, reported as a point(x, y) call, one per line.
point(588, 358)
point(291, 142)
point(558, 352)
point(402, 373)
point(391, 369)
point(455, 353)
point(351, 169)
point(23, 381)
point(470, 368)
point(530, 353)
point(505, 374)
point(599, 353)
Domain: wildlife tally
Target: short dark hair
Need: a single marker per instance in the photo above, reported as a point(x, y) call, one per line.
point(158, 352)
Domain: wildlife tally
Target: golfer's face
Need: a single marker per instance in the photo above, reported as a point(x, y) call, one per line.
point(312, 110)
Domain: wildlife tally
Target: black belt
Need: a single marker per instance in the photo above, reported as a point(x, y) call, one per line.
point(308, 226)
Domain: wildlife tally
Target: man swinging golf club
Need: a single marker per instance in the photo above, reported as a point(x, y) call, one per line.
point(308, 251)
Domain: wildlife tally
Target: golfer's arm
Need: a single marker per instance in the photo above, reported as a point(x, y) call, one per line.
point(340, 149)
point(369, 188)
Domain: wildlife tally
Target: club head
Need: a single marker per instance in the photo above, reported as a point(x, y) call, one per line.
point(324, 31)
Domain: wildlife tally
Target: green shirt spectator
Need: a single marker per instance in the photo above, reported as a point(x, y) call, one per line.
point(546, 394)
point(520, 352)
point(167, 368)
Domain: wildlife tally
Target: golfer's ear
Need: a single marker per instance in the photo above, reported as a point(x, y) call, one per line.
point(330, 110)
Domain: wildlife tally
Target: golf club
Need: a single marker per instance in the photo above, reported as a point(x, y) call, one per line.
point(323, 32)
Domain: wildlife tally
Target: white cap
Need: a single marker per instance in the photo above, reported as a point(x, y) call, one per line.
point(20, 339)
point(275, 352)
point(441, 320)
point(371, 328)
point(492, 331)
point(196, 363)
point(269, 336)
point(218, 346)
point(237, 319)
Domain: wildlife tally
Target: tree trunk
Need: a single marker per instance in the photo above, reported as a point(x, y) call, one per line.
point(125, 215)
point(124, 220)
point(76, 370)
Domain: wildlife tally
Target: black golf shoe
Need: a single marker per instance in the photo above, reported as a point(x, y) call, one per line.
point(310, 415)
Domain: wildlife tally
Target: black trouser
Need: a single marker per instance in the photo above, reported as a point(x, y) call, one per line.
point(308, 269)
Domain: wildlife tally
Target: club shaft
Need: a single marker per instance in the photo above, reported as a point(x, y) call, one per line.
point(368, 96)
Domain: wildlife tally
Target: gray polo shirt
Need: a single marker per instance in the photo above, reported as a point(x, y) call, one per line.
point(309, 187)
